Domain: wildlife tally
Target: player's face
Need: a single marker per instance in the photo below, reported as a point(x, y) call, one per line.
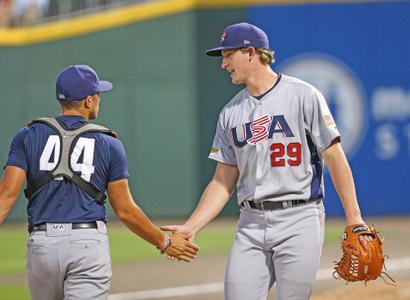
point(236, 63)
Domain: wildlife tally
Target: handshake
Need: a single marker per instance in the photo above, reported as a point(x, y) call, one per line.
point(179, 244)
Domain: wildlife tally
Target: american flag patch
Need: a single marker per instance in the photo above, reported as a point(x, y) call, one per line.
point(329, 121)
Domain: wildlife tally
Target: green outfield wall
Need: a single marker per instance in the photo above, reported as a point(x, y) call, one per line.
point(167, 93)
point(163, 104)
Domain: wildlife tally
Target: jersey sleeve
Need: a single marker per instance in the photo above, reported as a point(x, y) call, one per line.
point(118, 161)
point(320, 122)
point(222, 150)
point(17, 155)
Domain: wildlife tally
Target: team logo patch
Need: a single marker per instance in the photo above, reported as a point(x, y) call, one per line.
point(246, 42)
point(215, 149)
point(58, 227)
point(329, 121)
point(359, 229)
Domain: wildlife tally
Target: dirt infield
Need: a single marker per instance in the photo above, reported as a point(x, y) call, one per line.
point(379, 291)
point(210, 269)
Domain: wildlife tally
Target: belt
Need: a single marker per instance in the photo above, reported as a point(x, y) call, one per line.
point(43, 227)
point(273, 205)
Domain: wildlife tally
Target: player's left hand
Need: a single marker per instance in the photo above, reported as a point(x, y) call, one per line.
point(363, 258)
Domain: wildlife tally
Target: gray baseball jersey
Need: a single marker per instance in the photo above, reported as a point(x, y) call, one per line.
point(276, 141)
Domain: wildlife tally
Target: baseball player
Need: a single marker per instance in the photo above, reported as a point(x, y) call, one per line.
point(69, 164)
point(271, 140)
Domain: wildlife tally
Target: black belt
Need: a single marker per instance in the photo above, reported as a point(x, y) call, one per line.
point(273, 205)
point(43, 227)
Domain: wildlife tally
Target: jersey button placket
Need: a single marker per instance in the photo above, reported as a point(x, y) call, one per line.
point(262, 155)
point(259, 148)
point(258, 112)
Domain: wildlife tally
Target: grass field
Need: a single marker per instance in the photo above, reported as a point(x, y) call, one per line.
point(125, 248)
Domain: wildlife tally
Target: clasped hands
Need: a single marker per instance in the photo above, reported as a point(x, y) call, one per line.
point(182, 246)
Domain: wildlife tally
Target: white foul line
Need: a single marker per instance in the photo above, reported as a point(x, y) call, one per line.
point(170, 292)
point(216, 287)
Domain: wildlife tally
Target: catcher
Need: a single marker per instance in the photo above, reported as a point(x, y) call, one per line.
point(363, 258)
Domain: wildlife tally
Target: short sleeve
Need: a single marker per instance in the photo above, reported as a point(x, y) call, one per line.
point(321, 125)
point(222, 150)
point(17, 155)
point(118, 161)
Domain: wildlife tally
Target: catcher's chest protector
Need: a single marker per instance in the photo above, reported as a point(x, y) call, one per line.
point(68, 137)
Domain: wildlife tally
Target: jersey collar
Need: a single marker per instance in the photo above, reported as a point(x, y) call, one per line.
point(268, 91)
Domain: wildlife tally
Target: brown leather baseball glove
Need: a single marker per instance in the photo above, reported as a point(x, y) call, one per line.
point(363, 258)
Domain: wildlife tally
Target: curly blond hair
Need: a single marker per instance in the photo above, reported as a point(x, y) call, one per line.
point(266, 56)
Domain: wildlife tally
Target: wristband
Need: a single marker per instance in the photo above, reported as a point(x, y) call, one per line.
point(165, 244)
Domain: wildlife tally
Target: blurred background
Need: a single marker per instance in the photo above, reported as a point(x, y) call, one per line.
point(167, 93)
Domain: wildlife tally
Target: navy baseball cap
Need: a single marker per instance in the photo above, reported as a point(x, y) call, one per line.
point(78, 82)
point(240, 35)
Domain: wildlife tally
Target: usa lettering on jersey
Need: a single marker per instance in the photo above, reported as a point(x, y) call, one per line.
point(260, 129)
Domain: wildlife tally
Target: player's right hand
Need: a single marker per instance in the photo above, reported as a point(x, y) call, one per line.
point(180, 229)
point(181, 248)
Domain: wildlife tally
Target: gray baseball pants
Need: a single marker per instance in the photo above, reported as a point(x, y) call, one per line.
point(282, 246)
point(69, 264)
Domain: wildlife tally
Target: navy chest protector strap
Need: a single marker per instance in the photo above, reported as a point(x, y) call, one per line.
point(68, 138)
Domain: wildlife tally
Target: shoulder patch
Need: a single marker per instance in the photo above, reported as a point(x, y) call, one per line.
point(215, 149)
point(329, 121)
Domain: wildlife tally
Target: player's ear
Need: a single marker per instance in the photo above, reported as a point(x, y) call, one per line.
point(251, 53)
point(88, 101)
